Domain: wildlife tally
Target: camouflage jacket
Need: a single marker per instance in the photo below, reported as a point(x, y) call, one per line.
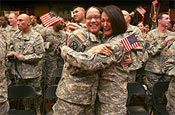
point(169, 69)
point(112, 73)
point(37, 28)
point(136, 53)
point(3, 80)
point(156, 49)
point(30, 48)
point(48, 34)
point(80, 88)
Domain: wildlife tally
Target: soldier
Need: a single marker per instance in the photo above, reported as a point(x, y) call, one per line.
point(79, 18)
point(53, 37)
point(112, 92)
point(169, 69)
point(34, 24)
point(4, 106)
point(4, 25)
point(26, 51)
point(157, 43)
point(77, 92)
point(135, 54)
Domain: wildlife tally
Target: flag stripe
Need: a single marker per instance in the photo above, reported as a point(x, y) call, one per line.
point(127, 44)
point(48, 20)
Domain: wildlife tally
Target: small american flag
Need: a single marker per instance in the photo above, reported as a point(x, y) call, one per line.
point(49, 19)
point(141, 10)
point(130, 42)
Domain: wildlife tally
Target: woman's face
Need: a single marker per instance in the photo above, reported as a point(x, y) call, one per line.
point(141, 26)
point(106, 24)
point(93, 21)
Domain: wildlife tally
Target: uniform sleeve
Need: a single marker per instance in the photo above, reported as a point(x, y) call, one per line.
point(89, 61)
point(169, 65)
point(44, 35)
point(37, 54)
point(154, 46)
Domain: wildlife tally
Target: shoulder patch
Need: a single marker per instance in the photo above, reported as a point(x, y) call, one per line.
point(73, 45)
point(168, 53)
point(81, 36)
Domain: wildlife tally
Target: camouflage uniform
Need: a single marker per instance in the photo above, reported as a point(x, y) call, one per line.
point(27, 67)
point(136, 53)
point(10, 31)
point(52, 58)
point(169, 69)
point(156, 54)
point(37, 28)
point(77, 90)
point(4, 106)
point(112, 91)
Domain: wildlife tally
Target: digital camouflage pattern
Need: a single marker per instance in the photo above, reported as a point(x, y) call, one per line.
point(136, 54)
point(30, 48)
point(66, 108)
point(3, 81)
point(52, 58)
point(169, 69)
point(37, 28)
point(113, 81)
point(79, 88)
point(155, 55)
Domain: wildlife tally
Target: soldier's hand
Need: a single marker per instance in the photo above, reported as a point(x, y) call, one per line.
point(101, 49)
point(73, 26)
point(13, 53)
point(53, 41)
point(167, 39)
point(127, 60)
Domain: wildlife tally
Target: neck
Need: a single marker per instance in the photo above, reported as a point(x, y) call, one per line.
point(161, 28)
point(14, 26)
point(34, 24)
point(83, 21)
point(27, 30)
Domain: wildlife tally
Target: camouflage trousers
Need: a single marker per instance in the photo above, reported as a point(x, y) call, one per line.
point(49, 66)
point(4, 108)
point(151, 79)
point(110, 109)
point(170, 95)
point(62, 107)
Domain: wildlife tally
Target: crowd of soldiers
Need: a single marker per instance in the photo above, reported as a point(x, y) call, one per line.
point(89, 56)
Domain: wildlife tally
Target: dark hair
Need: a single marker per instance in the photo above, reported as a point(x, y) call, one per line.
point(5, 18)
point(99, 9)
point(160, 16)
point(78, 7)
point(116, 18)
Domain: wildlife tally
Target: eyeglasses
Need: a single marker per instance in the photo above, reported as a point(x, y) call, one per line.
point(93, 17)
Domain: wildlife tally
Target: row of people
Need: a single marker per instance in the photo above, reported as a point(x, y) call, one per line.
point(97, 67)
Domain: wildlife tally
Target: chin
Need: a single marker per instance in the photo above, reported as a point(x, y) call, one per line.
point(107, 33)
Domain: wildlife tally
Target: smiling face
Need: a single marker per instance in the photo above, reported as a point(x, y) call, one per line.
point(93, 20)
point(106, 24)
point(141, 26)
